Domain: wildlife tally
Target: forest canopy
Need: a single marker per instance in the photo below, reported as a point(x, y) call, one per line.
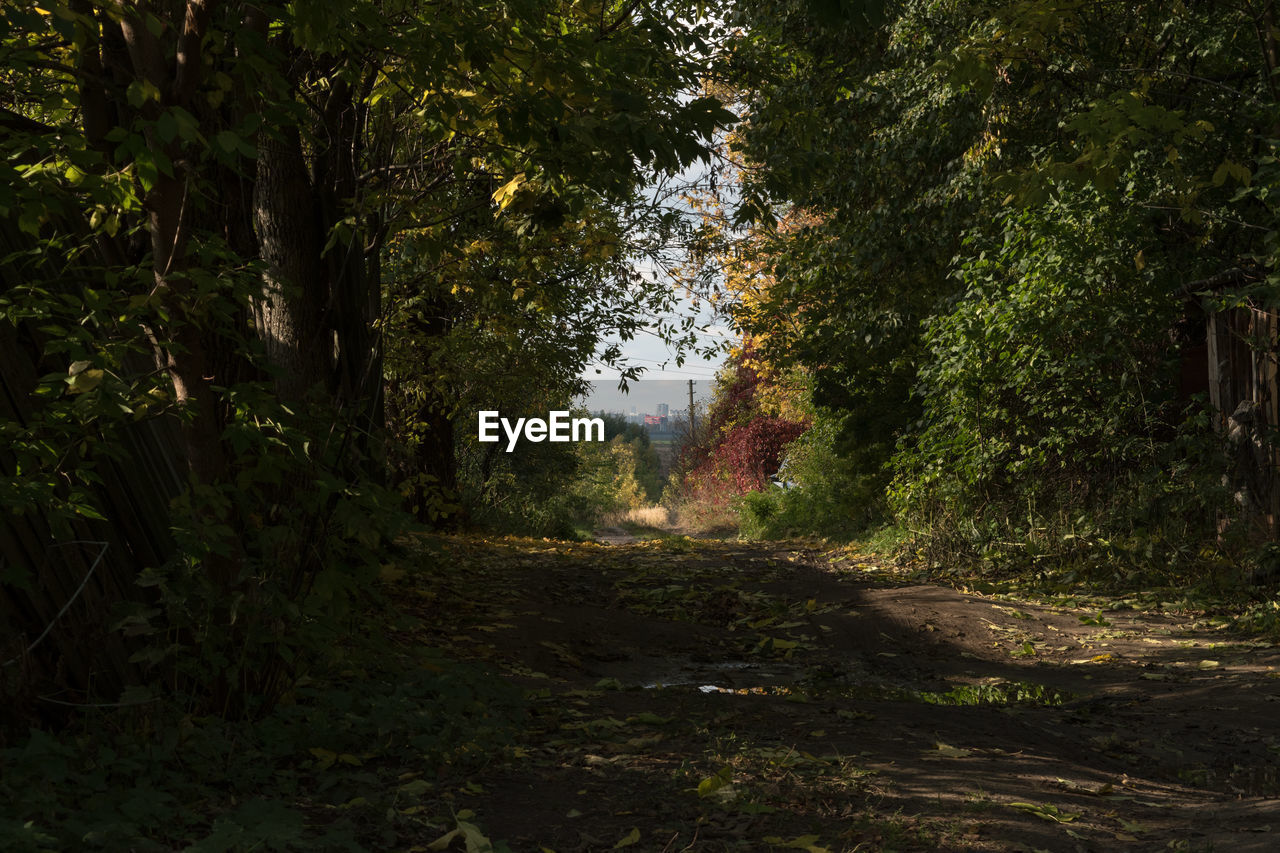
point(1025, 254)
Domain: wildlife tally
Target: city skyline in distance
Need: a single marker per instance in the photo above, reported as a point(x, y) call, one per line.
point(646, 395)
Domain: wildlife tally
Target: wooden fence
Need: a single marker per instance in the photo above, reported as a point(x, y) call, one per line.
point(1241, 346)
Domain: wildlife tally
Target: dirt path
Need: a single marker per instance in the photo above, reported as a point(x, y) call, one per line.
point(720, 696)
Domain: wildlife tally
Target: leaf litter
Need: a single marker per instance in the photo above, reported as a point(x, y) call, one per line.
point(863, 762)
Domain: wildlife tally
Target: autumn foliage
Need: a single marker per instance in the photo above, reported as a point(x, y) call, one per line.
point(740, 447)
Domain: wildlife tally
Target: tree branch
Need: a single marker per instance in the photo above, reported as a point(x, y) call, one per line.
point(11, 121)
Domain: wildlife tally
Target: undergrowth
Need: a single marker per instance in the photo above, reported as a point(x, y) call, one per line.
point(360, 757)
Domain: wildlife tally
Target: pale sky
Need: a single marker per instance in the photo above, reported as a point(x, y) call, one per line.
point(647, 349)
point(662, 381)
point(646, 394)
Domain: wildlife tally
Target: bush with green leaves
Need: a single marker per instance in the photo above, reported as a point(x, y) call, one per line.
point(1049, 394)
point(556, 489)
point(825, 491)
point(520, 492)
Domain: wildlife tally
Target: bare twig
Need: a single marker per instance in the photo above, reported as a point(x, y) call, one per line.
point(70, 600)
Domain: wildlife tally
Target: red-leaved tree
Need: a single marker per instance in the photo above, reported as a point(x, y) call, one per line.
point(740, 446)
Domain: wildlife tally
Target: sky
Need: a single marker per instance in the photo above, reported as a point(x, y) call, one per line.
point(662, 381)
point(646, 394)
point(649, 351)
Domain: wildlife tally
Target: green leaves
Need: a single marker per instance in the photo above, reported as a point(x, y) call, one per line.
point(981, 270)
point(1229, 169)
point(719, 785)
point(1046, 812)
point(232, 143)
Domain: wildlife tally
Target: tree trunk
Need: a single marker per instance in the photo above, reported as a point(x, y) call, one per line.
point(179, 325)
point(290, 313)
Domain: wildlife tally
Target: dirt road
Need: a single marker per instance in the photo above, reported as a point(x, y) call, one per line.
point(719, 696)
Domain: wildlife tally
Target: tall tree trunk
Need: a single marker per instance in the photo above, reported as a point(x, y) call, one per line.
point(290, 313)
point(354, 270)
point(435, 454)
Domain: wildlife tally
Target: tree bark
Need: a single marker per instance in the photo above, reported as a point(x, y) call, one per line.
point(290, 314)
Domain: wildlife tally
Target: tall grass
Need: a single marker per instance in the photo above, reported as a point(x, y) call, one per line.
point(648, 516)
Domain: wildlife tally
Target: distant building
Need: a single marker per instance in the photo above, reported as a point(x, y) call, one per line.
point(663, 410)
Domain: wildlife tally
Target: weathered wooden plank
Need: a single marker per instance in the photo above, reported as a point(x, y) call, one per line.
point(1213, 342)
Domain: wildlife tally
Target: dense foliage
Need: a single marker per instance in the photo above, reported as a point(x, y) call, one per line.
point(738, 449)
point(562, 490)
point(994, 233)
point(302, 241)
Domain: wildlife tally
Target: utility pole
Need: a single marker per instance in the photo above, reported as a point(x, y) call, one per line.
point(692, 432)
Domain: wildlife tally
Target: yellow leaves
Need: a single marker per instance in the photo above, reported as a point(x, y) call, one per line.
point(719, 786)
point(75, 175)
point(104, 219)
point(1105, 657)
point(1105, 790)
point(1132, 829)
point(769, 645)
point(326, 758)
point(506, 193)
point(1049, 813)
point(945, 750)
point(632, 837)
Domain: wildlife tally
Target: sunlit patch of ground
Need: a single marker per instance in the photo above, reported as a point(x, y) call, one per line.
point(649, 516)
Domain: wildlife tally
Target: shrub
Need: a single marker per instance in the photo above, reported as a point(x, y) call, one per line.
point(827, 495)
point(1050, 429)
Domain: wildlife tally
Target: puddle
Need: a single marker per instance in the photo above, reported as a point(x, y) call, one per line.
point(725, 677)
point(782, 678)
